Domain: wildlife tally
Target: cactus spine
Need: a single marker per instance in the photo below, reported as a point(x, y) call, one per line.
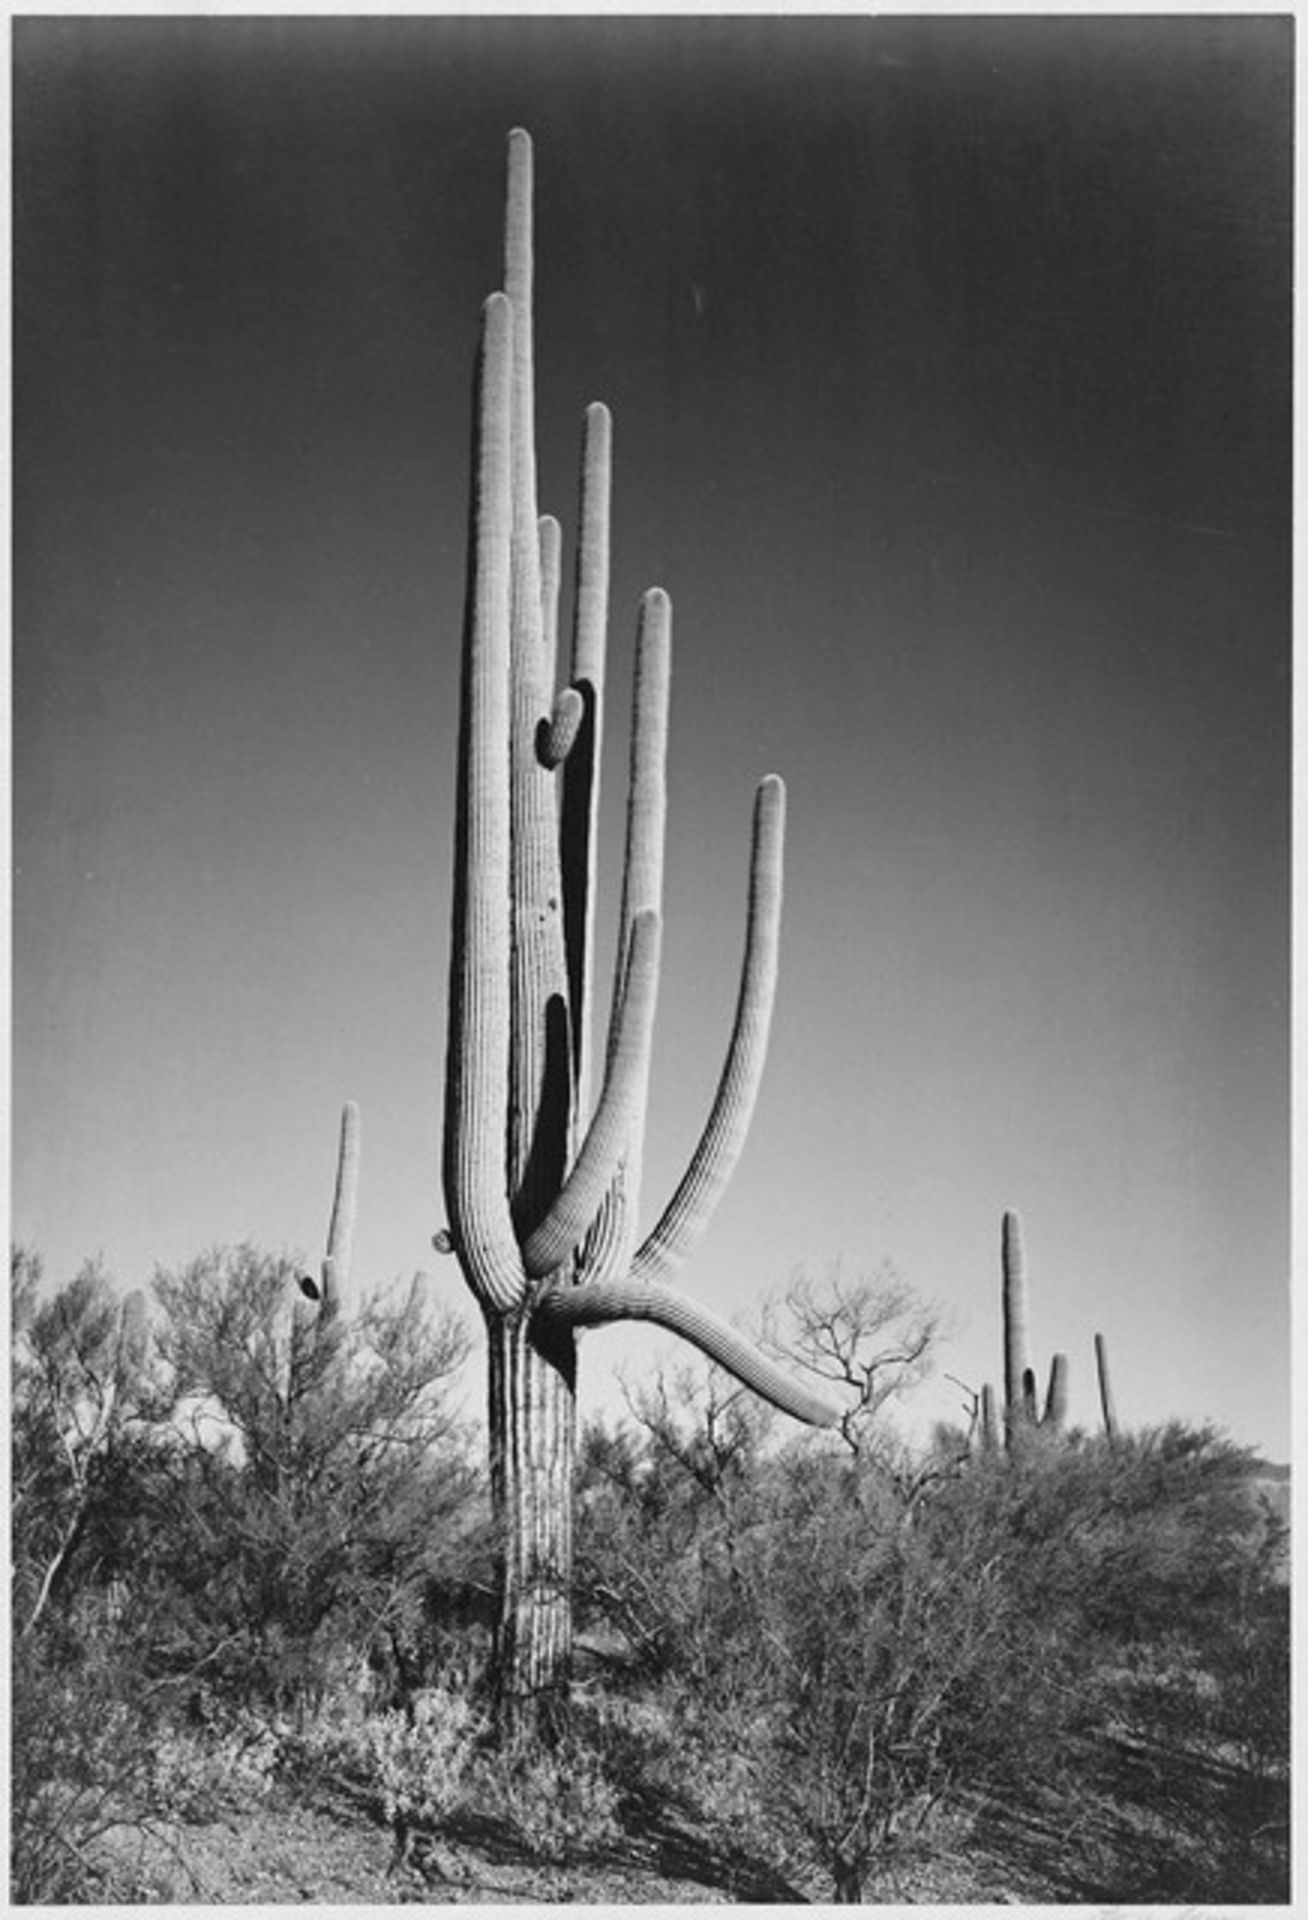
point(541, 1180)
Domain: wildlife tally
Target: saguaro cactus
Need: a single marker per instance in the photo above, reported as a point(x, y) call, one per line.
point(1106, 1388)
point(1021, 1399)
point(541, 1182)
point(1015, 1309)
point(316, 1313)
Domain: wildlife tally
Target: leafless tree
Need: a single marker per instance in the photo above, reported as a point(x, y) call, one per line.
point(870, 1334)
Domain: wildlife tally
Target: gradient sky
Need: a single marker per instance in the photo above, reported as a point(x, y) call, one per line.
point(950, 362)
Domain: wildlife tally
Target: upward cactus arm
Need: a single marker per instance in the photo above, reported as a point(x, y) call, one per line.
point(691, 1207)
point(550, 535)
point(581, 783)
point(340, 1232)
point(540, 1094)
point(605, 1302)
point(579, 1201)
point(479, 1019)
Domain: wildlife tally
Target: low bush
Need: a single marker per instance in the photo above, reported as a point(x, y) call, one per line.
point(559, 1804)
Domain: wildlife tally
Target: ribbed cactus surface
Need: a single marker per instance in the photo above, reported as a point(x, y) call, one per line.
point(1019, 1393)
point(543, 1132)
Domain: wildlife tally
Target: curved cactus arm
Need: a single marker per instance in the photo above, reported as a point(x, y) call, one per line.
point(579, 1200)
point(479, 1009)
point(581, 783)
point(691, 1207)
point(345, 1200)
point(604, 1303)
point(550, 541)
point(608, 1249)
point(558, 735)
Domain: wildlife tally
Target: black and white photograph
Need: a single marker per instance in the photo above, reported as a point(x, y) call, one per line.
point(650, 1066)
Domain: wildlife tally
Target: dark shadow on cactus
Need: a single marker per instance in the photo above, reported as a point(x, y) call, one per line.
point(546, 1164)
point(574, 843)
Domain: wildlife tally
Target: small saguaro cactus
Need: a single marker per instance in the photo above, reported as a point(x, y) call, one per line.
point(1106, 1400)
point(335, 1270)
point(541, 1178)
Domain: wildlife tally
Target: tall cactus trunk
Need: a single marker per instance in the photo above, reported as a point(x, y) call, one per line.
point(532, 1407)
point(1019, 1393)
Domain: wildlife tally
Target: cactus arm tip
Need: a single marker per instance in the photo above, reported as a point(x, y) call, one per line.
point(557, 736)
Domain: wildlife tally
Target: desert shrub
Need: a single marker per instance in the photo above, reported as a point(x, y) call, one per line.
point(558, 1803)
point(417, 1765)
point(195, 1776)
point(314, 1477)
point(80, 1734)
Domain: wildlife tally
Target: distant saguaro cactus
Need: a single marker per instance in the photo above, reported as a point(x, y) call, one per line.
point(1021, 1396)
point(989, 1420)
point(1106, 1400)
point(326, 1294)
point(541, 1185)
point(1015, 1307)
point(1055, 1413)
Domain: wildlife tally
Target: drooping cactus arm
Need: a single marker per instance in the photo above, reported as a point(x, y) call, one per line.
point(479, 1018)
point(340, 1232)
point(691, 1207)
point(606, 1302)
point(579, 1201)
